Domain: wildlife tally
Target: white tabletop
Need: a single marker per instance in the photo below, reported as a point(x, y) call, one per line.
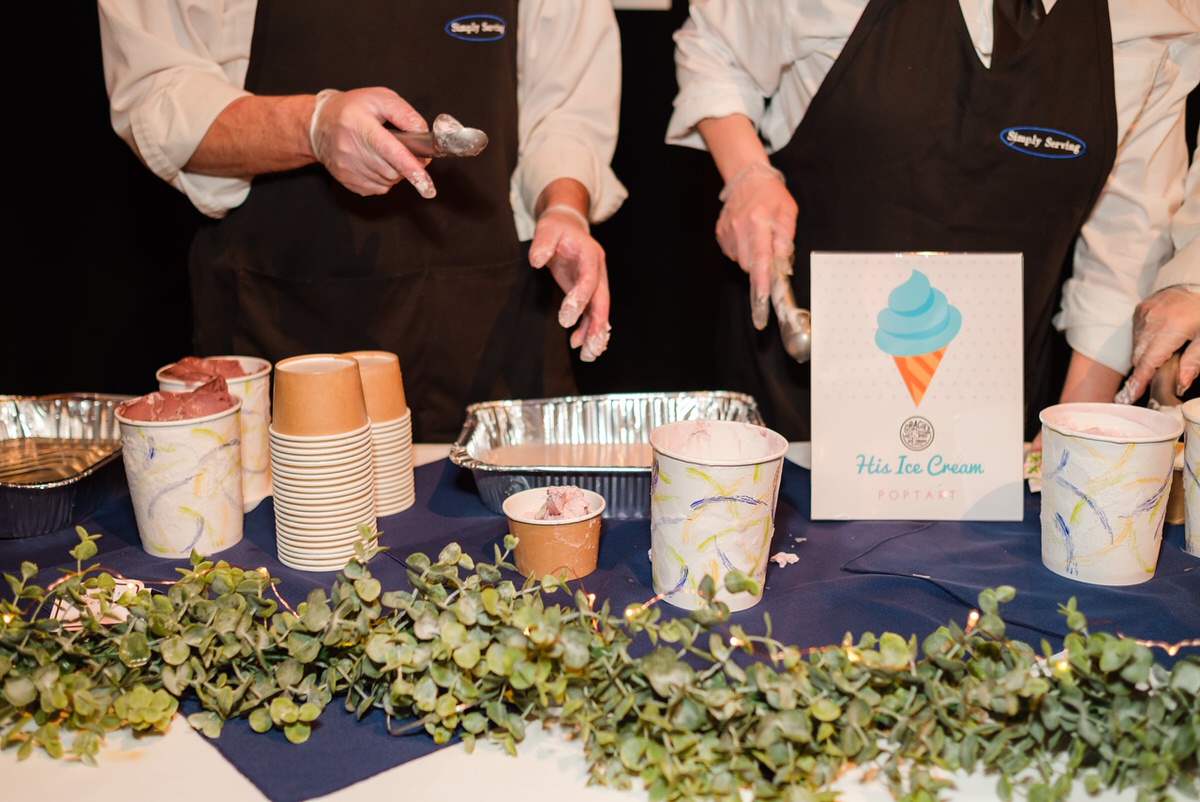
point(548, 767)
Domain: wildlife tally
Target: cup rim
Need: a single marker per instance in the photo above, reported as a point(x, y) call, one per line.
point(519, 500)
point(363, 432)
point(1192, 405)
point(658, 431)
point(263, 368)
point(180, 422)
point(1150, 418)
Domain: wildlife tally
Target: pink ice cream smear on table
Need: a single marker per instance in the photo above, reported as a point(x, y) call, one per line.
point(209, 398)
point(566, 501)
point(200, 369)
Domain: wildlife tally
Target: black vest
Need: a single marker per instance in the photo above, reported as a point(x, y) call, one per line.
point(305, 265)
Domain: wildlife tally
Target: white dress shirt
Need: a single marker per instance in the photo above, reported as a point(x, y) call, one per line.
point(1184, 267)
point(171, 66)
point(727, 63)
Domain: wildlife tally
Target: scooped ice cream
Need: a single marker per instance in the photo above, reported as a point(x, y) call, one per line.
point(567, 501)
point(193, 369)
point(209, 398)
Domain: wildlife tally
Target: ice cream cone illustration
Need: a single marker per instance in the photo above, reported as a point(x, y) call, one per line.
point(915, 328)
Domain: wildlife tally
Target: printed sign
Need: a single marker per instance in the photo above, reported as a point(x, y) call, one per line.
point(917, 388)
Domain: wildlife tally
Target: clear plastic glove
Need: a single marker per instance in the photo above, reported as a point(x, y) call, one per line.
point(563, 241)
point(1162, 324)
point(348, 136)
point(755, 228)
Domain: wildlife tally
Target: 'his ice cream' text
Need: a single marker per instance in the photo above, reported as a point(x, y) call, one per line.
point(934, 465)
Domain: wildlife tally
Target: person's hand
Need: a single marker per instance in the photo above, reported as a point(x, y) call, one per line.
point(1162, 323)
point(563, 242)
point(348, 137)
point(756, 228)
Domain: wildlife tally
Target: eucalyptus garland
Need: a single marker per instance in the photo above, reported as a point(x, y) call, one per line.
point(698, 709)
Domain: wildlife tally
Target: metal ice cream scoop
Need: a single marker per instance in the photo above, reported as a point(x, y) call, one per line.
point(795, 324)
point(448, 137)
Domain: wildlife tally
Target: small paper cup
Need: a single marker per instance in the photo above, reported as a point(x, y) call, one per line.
point(383, 385)
point(318, 395)
point(1191, 484)
point(560, 547)
point(185, 481)
point(1106, 478)
point(713, 489)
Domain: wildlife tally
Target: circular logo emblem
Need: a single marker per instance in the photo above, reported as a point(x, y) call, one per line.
point(916, 434)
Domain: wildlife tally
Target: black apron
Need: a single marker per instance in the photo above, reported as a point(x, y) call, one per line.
point(305, 265)
point(903, 149)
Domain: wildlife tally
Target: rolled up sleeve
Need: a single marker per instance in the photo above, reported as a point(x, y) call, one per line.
point(170, 68)
point(569, 98)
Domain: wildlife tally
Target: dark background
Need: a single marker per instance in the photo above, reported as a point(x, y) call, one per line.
point(94, 296)
point(94, 291)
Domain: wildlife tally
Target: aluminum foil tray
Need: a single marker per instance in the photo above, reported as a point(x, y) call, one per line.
point(60, 460)
point(597, 442)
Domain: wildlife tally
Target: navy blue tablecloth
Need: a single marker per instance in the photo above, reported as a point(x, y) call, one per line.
point(861, 576)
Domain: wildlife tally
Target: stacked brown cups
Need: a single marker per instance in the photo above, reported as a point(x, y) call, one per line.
point(321, 461)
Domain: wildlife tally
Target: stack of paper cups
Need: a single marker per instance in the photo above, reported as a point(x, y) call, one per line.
point(391, 430)
point(321, 462)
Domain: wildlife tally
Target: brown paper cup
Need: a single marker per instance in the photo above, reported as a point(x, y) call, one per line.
point(566, 547)
point(383, 385)
point(318, 395)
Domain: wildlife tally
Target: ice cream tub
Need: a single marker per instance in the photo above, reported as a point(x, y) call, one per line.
point(60, 460)
point(713, 490)
point(1190, 476)
point(248, 378)
point(185, 478)
point(1106, 478)
point(597, 442)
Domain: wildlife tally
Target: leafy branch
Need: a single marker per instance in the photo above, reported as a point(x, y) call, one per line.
point(689, 707)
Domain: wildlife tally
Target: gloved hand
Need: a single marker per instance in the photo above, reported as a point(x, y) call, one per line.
point(756, 228)
point(348, 137)
point(1162, 323)
point(563, 241)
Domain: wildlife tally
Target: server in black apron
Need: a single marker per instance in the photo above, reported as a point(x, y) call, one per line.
point(899, 150)
point(341, 253)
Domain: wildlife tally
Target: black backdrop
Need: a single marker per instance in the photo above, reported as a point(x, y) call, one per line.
point(93, 296)
point(94, 290)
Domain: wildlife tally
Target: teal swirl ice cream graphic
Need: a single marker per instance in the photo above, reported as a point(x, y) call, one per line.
point(915, 328)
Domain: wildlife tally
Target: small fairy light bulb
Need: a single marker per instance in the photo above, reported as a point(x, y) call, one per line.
point(735, 641)
point(591, 598)
point(972, 620)
point(8, 618)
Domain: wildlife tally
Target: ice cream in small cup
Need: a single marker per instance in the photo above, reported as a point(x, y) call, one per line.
point(557, 529)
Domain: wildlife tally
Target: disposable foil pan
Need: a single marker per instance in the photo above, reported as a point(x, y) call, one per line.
point(616, 425)
point(60, 460)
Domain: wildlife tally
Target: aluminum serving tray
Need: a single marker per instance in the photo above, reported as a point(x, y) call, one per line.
point(60, 460)
point(617, 424)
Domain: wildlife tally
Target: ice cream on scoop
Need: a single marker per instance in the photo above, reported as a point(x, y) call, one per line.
point(915, 328)
point(207, 399)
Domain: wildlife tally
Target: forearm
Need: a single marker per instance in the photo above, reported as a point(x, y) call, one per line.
point(733, 143)
point(1088, 380)
point(564, 192)
point(256, 134)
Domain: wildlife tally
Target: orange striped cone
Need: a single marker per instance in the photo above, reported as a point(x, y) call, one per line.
point(917, 371)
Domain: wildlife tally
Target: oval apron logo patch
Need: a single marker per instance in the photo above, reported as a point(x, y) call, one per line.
point(1045, 143)
point(477, 28)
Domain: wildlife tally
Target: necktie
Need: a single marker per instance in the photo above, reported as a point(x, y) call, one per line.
point(1013, 22)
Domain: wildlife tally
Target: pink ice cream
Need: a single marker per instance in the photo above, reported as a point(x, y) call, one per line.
point(567, 501)
point(193, 369)
point(209, 398)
